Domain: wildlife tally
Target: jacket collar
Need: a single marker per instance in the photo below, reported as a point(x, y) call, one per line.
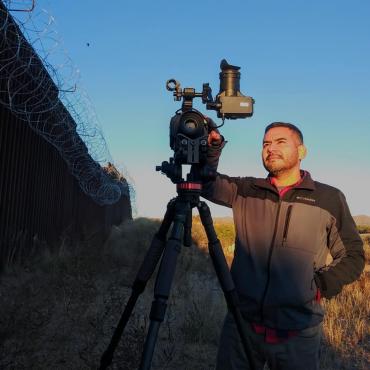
point(306, 183)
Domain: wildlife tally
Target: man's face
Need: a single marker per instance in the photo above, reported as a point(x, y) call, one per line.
point(281, 150)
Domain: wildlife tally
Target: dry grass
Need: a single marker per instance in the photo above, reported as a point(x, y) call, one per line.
point(347, 328)
point(347, 324)
point(59, 311)
point(225, 231)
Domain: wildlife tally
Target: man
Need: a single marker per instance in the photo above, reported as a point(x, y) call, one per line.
point(285, 227)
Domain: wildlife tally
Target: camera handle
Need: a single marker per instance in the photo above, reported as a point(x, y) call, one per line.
point(179, 215)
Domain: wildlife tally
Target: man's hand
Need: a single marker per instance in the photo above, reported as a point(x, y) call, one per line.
point(214, 138)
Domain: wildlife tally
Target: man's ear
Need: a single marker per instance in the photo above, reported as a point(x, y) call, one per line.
point(302, 151)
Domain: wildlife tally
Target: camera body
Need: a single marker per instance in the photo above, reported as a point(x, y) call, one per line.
point(188, 137)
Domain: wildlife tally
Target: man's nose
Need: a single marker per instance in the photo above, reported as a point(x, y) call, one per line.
point(271, 148)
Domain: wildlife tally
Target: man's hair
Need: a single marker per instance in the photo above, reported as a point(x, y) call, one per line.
point(288, 125)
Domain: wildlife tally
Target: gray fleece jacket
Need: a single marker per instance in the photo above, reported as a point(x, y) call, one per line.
point(282, 245)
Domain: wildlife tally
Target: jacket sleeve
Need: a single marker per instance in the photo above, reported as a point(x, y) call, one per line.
point(346, 248)
point(222, 189)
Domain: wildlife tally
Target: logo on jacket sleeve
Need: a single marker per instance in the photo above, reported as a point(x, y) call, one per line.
point(306, 199)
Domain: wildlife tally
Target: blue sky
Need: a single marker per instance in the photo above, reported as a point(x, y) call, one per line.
point(305, 62)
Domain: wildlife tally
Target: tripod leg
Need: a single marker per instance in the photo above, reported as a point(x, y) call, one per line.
point(163, 283)
point(224, 277)
point(187, 230)
point(145, 272)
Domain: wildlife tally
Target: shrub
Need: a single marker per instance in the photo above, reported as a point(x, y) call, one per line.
point(363, 229)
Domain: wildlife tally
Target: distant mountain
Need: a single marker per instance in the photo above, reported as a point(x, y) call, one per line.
point(362, 220)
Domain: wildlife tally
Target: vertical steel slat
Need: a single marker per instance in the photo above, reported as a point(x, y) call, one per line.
point(4, 129)
point(37, 147)
point(9, 189)
point(26, 176)
point(17, 170)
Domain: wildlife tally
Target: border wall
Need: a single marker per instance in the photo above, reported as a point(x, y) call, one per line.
point(40, 196)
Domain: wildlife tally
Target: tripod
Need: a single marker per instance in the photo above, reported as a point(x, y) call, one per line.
point(179, 215)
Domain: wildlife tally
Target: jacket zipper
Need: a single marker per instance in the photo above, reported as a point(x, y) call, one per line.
point(286, 226)
point(269, 259)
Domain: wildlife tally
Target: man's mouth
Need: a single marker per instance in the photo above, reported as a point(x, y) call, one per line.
point(273, 157)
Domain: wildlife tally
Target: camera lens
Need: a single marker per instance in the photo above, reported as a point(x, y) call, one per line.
point(192, 125)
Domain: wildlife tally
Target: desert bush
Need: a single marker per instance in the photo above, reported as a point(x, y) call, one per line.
point(225, 232)
point(131, 236)
point(363, 229)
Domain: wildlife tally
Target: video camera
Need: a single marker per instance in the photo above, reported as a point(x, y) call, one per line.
point(188, 138)
point(189, 128)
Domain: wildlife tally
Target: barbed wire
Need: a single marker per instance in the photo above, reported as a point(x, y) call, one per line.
point(41, 86)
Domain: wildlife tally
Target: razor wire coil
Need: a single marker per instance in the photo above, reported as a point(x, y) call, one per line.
point(40, 85)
